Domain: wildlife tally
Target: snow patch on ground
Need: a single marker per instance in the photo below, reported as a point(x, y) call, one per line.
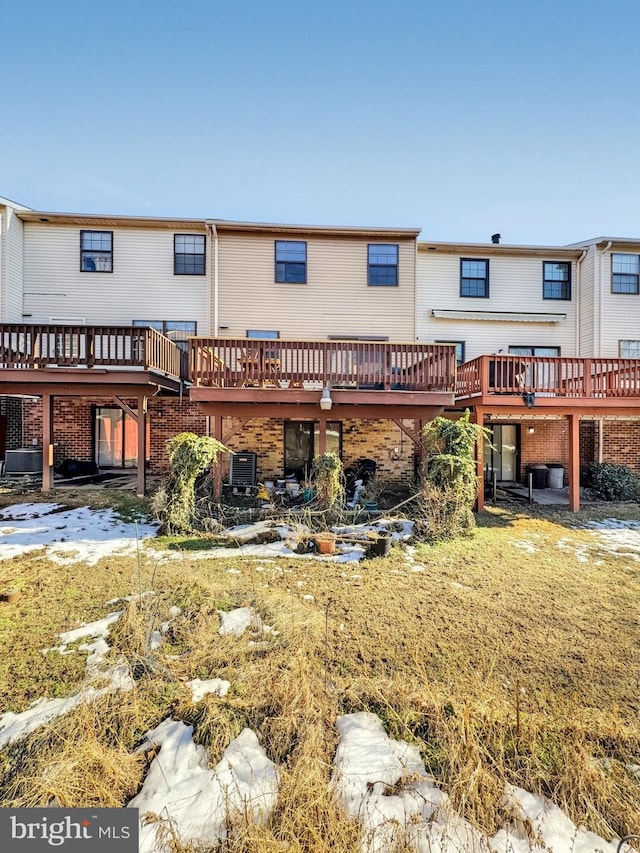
point(201, 804)
point(384, 785)
point(200, 689)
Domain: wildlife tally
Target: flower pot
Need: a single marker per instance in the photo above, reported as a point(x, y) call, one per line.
point(380, 547)
point(326, 544)
point(11, 595)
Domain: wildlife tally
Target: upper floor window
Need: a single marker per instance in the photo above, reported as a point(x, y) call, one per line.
point(383, 265)
point(459, 345)
point(291, 261)
point(629, 349)
point(556, 280)
point(625, 273)
point(96, 251)
point(474, 277)
point(263, 333)
point(540, 352)
point(178, 330)
point(188, 254)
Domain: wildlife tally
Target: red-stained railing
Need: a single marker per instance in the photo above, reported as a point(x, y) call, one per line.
point(35, 346)
point(239, 362)
point(550, 377)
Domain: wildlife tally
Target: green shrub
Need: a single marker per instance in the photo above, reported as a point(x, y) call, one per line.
point(611, 482)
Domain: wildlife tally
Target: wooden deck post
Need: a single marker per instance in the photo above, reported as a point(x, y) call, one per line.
point(479, 419)
point(47, 442)
point(574, 463)
point(141, 485)
point(322, 435)
point(216, 422)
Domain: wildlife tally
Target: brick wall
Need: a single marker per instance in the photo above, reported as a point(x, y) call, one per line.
point(621, 443)
point(11, 409)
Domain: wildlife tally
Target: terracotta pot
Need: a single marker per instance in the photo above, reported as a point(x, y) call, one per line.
point(326, 545)
point(11, 595)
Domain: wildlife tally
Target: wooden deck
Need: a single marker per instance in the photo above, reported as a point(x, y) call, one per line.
point(508, 380)
point(126, 348)
point(226, 363)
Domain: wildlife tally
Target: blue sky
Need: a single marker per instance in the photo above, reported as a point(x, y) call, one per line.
point(462, 118)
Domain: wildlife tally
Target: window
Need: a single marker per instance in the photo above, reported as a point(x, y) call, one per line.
point(474, 278)
point(625, 273)
point(263, 333)
point(629, 349)
point(96, 251)
point(459, 345)
point(556, 280)
point(177, 330)
point(291, 261)
point(188, 254)
point(383, 265)
point(301, 445)
point(552, 352)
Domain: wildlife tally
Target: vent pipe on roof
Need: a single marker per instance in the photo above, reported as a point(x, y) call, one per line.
point(495, 238)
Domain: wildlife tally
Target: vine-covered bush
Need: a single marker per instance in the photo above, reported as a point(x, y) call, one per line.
point(449, 480)
point(189, 456)
point(610, 482)
point(329, 480)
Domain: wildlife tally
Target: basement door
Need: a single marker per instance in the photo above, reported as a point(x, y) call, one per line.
point(301, 440)
point(116, 438)
point(503, 456)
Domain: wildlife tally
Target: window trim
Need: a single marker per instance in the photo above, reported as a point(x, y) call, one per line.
point(371, 266)
point(635, 292)
point(461, 344)
point(566, 282)
point(487, 292)
point(276, 262)
point(87, 251)
point(202, 254)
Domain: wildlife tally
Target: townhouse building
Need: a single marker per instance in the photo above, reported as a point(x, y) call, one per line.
point(117, 332)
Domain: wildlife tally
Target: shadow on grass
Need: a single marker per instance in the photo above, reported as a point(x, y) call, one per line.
point(188, 543)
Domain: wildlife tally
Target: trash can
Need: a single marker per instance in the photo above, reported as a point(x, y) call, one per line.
point(556, 475)
point(540, 474)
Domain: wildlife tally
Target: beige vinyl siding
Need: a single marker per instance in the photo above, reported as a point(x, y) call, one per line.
point(11, 260)
point(336, 299)
point(515, 285)
point(620, 312)
point(142, 285)
point(587, 303)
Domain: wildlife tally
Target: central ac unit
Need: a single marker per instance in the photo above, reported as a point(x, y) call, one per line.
point(242, 469)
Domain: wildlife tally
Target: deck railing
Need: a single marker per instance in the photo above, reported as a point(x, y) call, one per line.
point(35, 346)
point(241, 362)
point(548, 376)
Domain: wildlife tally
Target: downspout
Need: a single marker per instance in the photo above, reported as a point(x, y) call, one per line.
point(578, 287)
point(214, 285)
point(601, 298)
point(415, 289)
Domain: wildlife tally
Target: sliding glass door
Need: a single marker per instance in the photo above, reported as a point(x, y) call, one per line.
point(301, 441)
point(116, 438)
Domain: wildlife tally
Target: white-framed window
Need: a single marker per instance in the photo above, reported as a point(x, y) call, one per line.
point(629, 349)
point(188, 254)
point(96, 251)
point(625, 273)
point(556, 280)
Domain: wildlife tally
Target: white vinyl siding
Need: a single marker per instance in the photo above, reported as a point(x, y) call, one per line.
point(142, 283)
point(336, 299)
point(586, 303)
point(11, 262)
point(515, 286)
point(620, 314)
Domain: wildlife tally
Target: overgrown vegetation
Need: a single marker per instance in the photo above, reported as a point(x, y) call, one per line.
point(190, 455)
point(499, 661)
point(449, 481)
point(329, 481)
point(610, 482)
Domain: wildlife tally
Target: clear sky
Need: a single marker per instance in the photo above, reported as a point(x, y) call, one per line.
point(459, 117)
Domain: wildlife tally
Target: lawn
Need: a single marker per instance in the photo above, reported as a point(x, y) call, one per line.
point(510, 657)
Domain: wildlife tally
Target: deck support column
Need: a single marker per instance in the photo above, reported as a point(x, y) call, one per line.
point(322, 435)
point(574, 463)
point(216, 423)
point(47, 442)
point(479, 420)
point(141, 485)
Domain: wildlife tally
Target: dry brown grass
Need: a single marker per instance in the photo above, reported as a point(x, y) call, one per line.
point(503, 664)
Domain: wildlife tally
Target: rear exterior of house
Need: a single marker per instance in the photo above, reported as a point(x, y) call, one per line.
point(285, 340)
